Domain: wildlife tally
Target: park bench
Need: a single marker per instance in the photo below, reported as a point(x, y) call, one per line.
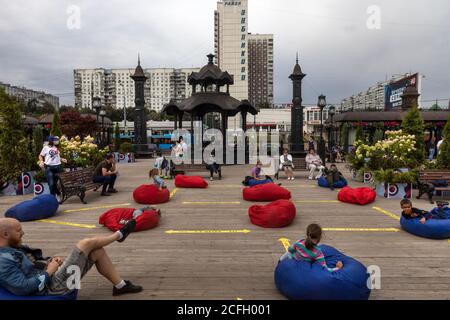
point(299, 165)
point(76, 183)
point(426, 179)
point(185, 168)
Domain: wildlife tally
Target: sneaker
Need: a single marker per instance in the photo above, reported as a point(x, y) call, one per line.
point(310, 178)
point(159, 212)
point(289, 178)
point(105, 194)
point(112, 190)
point(211, 178)
point(292, 178)
point(128, 288)
point(127, 229)
point(279, 184)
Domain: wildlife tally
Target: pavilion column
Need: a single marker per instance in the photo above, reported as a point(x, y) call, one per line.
point(180, 120)
point(224, 133)
point(192, 136)
point(176, 121)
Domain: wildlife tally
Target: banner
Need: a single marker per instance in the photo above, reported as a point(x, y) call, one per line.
point(393, 92)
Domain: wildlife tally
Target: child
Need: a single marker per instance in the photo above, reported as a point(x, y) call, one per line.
point(308, 249)
point(212, 165)
point(441, 206)
point(161, 164)
point(412, 213)
point(153, 174)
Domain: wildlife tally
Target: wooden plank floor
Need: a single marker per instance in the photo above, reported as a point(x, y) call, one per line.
point(232, 265)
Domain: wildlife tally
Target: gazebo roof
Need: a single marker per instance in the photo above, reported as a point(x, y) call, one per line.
point(205, 102)
point(389, 116)
point(210, 74)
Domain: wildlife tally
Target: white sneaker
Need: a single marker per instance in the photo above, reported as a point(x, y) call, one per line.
point(292, 178)
point(310, 178)
point(211, 178)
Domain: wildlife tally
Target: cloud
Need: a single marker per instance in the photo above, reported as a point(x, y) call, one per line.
point(337, 51)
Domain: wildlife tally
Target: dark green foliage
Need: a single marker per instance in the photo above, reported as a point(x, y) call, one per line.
point(414, 124)
point(444, 150)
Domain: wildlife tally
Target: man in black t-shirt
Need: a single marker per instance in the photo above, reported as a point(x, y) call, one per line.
point(106, 173)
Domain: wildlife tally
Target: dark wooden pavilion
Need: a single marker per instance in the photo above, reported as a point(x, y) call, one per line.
point(211, 94)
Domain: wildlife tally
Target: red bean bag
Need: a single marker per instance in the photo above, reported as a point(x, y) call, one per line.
point(150, 194)
point(115, 219)
point(182, 181)
point(277, 214)
point(266, 192)
point(360, 196)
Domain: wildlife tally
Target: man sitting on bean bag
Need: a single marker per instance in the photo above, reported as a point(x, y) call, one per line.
point(333, 175)
point(360, 196)
point(21, 277)
point(146, 218)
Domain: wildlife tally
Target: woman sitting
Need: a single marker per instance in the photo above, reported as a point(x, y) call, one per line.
point(286, 164)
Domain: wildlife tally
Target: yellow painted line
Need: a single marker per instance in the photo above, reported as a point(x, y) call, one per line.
point(206, 203)
point(448, 241)
point(285, 243)
point(363, 229)
point(102, 207)
point(389, 214)
point(70, 224)
point(205, 231)
point(317, 201)
point(173, 192)
point(237, 298)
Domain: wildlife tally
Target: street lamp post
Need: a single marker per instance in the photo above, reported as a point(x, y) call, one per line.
point(331, 112)
point(321, 103)
point(96, 105)
point(124, 107)
point(103, 114)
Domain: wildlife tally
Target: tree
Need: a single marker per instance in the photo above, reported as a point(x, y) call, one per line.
point(414, 124)
point(359, 133)
point(435, 107)
point(444, 150)
point(56, 130)
point(74, 124)
point(47, 108)
point(117, 137)
point(38, 139)
point(15, 157)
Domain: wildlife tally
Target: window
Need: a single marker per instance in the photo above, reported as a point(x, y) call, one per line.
point(243, 21)
point(243, 69)
point(243, 37)
point(243, 45)
point(243, 77)
point(243, 29)
point(243, 53)
point(243, 61)
point(243, 13)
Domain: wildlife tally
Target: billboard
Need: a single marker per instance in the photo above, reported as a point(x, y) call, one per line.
point(393, 92)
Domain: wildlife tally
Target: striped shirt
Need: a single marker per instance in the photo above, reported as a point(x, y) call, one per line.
point(299, 251)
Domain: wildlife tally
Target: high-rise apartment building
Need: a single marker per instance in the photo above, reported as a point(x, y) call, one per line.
point(28, 95)
point(231, 43)
point(260, 69)
point(116, 88)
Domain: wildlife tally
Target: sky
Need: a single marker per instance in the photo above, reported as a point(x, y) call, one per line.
point(340, 54)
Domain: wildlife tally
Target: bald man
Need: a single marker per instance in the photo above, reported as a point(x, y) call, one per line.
point(21, 276)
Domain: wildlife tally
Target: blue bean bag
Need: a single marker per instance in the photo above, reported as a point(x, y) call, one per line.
point(432, 229)
point(341, 183)
point(6, 295)
point(303, 280)
point(254, 182)
point(40, 207)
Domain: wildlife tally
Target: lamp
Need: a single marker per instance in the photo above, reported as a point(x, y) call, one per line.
point(321, 103)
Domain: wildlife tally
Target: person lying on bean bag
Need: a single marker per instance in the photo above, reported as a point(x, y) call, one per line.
point(182, 181)
point(40, 207)
point(432, 225)
point(266, 192)
point(150, 194)
point(277, 214)
point(146, 218)
point(308, 271)
point(322, 182)
point(361, 196)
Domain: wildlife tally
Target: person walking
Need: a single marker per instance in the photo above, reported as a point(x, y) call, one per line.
point(50, 161)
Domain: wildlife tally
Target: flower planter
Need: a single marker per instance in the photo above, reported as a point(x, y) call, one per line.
point(357, 176)
point(368, 178)
point(41, 188)
point(23, 185)
point(394, 190)
point(124, 157)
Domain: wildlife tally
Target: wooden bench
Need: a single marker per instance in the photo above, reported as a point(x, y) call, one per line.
point(184, 168)
point(426, 178)
point(299, 165)
point(76, 183)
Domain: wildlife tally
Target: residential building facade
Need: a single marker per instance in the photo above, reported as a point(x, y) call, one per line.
point(27, 95)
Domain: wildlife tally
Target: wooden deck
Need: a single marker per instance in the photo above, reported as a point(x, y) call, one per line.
point(240, 264)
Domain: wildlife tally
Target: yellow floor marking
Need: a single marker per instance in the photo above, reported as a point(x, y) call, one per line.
point(205, 231)
point(389, 214)
point(363, 229)
point(237, 298)
point(285, 243)
point(95, 208)
point(317, 201)
point(173, 192)
point(70, 224)
point(206, 203)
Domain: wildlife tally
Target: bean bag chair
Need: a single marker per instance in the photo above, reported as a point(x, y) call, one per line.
point(360, 196)
point(303, 280)
point(41, 207)
point(266, 192)
point(341, 183)
point(432, 229)
point(254, 182)
point(112, 219)
point(6, 295)
point(277, 214)
point(150, 194)
point(182, 181)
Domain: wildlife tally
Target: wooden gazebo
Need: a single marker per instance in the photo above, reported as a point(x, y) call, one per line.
point(208, 97)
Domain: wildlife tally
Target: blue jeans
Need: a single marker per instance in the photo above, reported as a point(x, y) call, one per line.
point(431, 155)
point(106, 180)
point(50, 172)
